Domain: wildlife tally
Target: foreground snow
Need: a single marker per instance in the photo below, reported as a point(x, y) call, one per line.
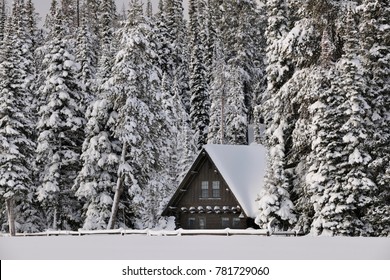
point(193, 247)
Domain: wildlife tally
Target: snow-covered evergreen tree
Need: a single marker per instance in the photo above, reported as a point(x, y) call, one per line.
point(236, 110)
point(100, 157)
point(71, 14)
point(357, 184)
point(375, 53)
point(274, 200)
point(61, 133)
point(135, 84)
point(218, 95)
point(86, 55)
point(16, 128)
point(200, 103)
point(96, 181)
point(107, 21)
point(172, 45)
point(3, 18)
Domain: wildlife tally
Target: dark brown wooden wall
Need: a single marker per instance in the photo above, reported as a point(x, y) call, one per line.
point(192, 198)
point(213, 221)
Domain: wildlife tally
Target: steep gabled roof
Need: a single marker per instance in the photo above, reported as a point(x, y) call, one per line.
point(242, 168)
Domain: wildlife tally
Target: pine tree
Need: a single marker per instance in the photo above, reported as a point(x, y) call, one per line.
point(135, 84)
point(218, 95)
point(51, 18)
point(3, 18)
point(214, 18)
point(90, 9)
point(70, 12)
point(274, 200)
point(60, 128)
point(86, 56)
point(172, 47)
point(17, 146)
point(323, 179)
point(375, 55)
point(107, 20)
point(200, 104)
point(236, 110)
point(357, 182)
point(100, 157)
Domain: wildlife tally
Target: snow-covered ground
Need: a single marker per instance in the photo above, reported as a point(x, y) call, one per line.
point(117, 247)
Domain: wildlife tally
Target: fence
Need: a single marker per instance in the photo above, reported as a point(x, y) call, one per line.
point(178, 232)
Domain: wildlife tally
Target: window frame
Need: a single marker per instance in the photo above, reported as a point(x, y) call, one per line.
point(216, 188)
point(204, 189)
point(191, 223)
point(223, 222)
point(236, 223)
point(202, 222)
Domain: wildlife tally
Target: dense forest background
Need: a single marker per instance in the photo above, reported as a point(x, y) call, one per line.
point(101, 112)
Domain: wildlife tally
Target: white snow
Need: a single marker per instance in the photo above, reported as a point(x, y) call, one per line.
point(69, 63)
point(243, 169)
point(142, 247)
point(105, 199)
point(355, 157)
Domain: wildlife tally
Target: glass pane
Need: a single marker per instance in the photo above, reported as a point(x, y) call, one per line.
point(202, 223)
point(216, 189)
point(191, 223)
point(236, 222)
point(225, 222)
point(205, 189)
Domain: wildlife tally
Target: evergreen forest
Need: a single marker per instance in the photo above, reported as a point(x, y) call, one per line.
point(103, 110)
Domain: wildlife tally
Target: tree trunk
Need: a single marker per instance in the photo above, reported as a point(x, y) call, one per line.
point(78, 13)
point(55, 218)
point(118, 192)
point(11, 216)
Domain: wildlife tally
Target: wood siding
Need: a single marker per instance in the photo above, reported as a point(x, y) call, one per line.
point(191, 198)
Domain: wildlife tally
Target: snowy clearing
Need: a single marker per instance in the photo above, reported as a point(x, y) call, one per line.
point(117, 247)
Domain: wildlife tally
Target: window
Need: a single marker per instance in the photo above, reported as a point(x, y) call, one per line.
point(191, 223)
point(202, 223)
point(236, 223)
point(225, 222)
point(216, 189)
point(205, 189)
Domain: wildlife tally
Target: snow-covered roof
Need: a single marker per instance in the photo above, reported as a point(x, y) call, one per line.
point(243, 169)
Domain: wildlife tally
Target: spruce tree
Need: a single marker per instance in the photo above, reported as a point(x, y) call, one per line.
point(357, 184)
point(236, 110)
point(135, 84)
point(100, 157)
point(86, 56)
point(17, 146)
point(274, 200)
point(107, 39)
point(3, 18)
point(60, 129)
point(218, 96)
point(200, 103)
point(375, 53)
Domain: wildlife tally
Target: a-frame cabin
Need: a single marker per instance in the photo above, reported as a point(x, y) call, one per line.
point(220, 189)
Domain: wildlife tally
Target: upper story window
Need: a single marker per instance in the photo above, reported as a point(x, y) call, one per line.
point(216, 189)
point(204, 189)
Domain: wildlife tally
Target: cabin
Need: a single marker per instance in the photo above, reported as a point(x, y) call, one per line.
point(220, 188)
